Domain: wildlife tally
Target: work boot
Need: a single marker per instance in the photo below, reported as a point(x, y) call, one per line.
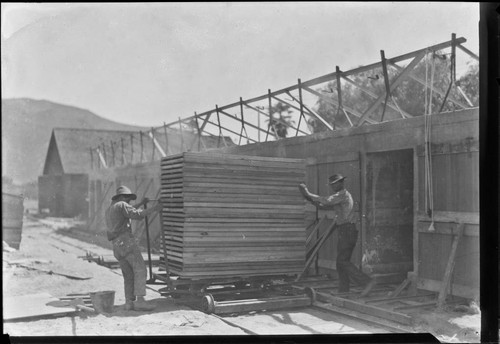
point(129, 305)
point(143, 305)
point(369, 286)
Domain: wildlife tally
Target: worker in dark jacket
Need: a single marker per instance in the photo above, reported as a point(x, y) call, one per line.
point(125, 248)
point(341, 203)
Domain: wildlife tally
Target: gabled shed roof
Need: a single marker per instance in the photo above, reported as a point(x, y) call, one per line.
point(69, 148)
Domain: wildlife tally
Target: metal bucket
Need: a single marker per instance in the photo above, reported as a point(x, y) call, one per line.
point(103, 301)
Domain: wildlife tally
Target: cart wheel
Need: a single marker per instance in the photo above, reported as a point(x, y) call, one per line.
point(208, 304)
point(311, 293)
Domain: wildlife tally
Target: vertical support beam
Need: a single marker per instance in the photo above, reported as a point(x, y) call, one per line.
point(218, 124)
point(271, 118)
point(200, 136)
point(198, 130)
point(167, 148)
point(112, 151)
point(386, 82)
point(242, 121)
point(131, 148)
point(316, 263)
point(123, 152)
point(452, 71)
point(152, 135)
point(416, 253)
point(258, 125)
point(91, 159)
point(182, 135)
point(362, 208)
point(454, 57)
point(299, 82)
point(142, 147)
point(338, 74)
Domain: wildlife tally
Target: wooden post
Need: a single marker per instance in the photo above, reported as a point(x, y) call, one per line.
point(271, 118)
point(416, 253)
point(258, 124)
point(131, 148)
point(142, 147)
point(182, 135)
point(218, 123)
point(104, 154)
point(449, 267)
point(98, 158)
point(153, 143)
point(112, 151)
point(386, 82)
point(167, 149)
point(91, 159)
point(316, 263)
point(452, 71)
point(362, 197)
point(198, 130)
point(242, 121)
point(123, 152)
point(301, 106)
point(200, 136)
point(453, 57)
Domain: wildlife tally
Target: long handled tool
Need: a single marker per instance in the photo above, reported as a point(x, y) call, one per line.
point(151, 276)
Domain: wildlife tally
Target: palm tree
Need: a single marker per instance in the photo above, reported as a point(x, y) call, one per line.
point(281, 124)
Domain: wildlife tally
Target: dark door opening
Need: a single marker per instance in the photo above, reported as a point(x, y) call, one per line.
point(388, 239)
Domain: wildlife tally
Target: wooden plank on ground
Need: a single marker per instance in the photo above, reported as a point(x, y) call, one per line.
point(364, 308)
point(32, 306)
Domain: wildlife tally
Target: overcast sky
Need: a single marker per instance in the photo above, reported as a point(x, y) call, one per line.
point(149, 63)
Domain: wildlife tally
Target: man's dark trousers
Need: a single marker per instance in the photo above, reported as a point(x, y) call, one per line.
point(347, 237)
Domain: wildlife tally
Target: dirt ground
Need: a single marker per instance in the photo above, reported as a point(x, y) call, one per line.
point(44, 246)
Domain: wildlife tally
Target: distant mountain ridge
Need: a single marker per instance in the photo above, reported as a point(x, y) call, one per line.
point(26, 128)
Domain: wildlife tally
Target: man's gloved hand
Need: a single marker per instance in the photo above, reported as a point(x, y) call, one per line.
point(145, 200)
point(303, 190)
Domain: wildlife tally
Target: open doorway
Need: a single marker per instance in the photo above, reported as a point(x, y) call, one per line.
point(388, 242)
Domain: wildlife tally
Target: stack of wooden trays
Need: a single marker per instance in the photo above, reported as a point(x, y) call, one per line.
point(230, 215)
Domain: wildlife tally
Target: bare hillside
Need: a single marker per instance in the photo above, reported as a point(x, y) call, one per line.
point(26, 128)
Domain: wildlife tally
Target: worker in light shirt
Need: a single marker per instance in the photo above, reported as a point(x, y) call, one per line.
point(119, 216)
point(341, 204)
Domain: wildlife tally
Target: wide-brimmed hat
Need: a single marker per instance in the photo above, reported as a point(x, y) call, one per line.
point(124, 191)
point(335, 178)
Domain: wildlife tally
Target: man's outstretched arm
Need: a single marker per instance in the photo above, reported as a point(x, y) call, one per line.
point(322, 202)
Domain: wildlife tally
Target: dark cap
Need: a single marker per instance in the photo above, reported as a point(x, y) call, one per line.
point(335, 178)
point(124, 191)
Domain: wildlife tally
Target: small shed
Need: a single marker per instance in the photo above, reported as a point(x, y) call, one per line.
point(64, 184)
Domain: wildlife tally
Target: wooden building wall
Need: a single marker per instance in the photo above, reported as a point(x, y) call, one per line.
point(393, 235)
point(64, 195)
point(383, 164)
